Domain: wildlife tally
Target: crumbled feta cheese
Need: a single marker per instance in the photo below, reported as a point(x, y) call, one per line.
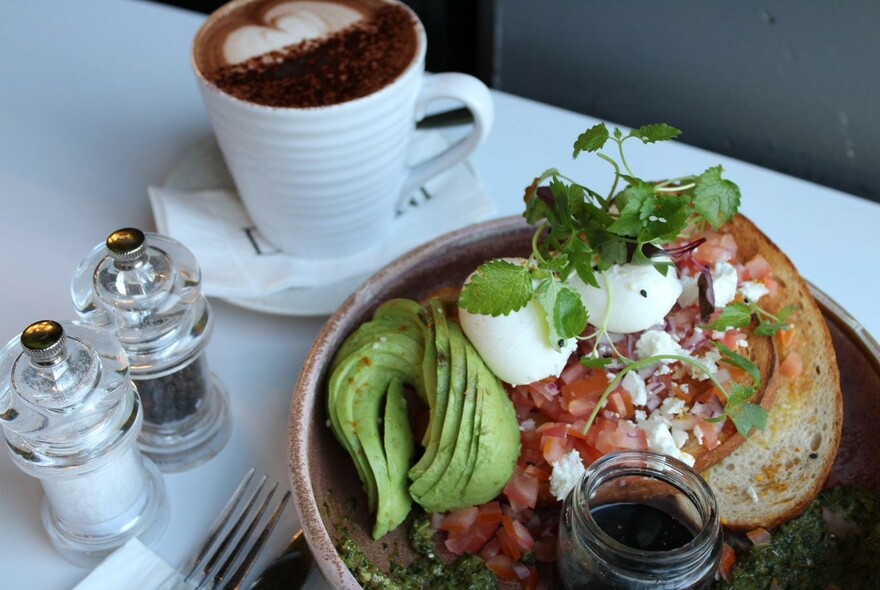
point(690, 292)
point(698, 434)
point(685, 387)
point(679, 435)
point(753, 494)
point(742, 343)
point(663, 369)
point(635, 385)
point(640, 415)
point(710, 361)
point(753, 291)
point(660, 440)
point(724, 281)
point(655, 342)
point(671, 407)
point(527, 425)
point(566, 474)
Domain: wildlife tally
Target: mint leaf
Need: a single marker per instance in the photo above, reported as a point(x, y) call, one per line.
point(715, 199)
point(595, 362)
point(766, 328)
point(664, 217)
point(737, 360)
point(736, 315)
point(570, 314)
point(635, 198)
point(655, 132)
point(564, 313)
point(497, 288)
point(744, 414)
point(591, 140)
point(786, 312)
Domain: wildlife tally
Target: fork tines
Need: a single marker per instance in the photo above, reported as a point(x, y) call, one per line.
point(232, 534)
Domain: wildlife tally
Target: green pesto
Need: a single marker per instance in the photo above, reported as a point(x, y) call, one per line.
point(427, 572)
point(802, 554)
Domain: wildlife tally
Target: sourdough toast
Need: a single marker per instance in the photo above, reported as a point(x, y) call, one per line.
point(775, 476)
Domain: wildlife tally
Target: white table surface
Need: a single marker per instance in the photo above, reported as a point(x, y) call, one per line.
point(97, 102)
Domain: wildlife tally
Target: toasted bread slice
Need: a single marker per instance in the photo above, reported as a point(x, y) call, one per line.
point(777, 473)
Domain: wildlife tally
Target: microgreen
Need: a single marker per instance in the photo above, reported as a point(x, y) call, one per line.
point(581, 231)
point(739, 315)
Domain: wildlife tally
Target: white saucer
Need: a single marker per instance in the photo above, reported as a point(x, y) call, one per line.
point(202, 168)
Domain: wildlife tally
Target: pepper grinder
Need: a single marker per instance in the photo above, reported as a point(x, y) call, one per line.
point(71, 418)
point(145, 289)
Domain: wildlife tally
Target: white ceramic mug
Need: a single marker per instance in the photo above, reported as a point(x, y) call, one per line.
point(327, 181)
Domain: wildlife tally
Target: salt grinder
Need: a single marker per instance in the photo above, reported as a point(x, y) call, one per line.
point(145, 289)
point(71, 418)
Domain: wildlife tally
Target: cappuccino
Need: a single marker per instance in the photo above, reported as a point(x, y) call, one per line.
point(305, 53)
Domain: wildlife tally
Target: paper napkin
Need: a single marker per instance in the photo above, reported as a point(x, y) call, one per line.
point(133, 565)
point(237, 262)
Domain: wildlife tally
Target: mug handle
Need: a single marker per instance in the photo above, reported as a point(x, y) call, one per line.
point(476, 97)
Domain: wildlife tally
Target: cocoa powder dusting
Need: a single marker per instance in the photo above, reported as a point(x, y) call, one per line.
point(347, 65)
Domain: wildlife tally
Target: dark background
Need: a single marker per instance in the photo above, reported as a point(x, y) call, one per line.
point(791, 85)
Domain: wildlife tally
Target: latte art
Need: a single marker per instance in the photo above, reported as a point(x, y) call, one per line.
point(288, 23)
point(305, 53)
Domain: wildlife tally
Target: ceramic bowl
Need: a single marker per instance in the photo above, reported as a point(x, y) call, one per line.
point(327, 491)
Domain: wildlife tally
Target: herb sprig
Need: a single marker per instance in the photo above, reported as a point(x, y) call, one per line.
point(578, 230)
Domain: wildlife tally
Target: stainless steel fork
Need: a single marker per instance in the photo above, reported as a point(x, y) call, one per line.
point(226, 554)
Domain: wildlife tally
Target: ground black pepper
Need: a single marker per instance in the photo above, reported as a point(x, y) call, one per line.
point(174, 396)
point(350, 64)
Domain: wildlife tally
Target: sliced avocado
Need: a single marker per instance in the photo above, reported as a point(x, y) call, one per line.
point(444, 496)
point(366, 406)
point(442, 371)
point(498, 442)
point(358, 405)
point(399, 449)
point(396, 315)
point(427, 489)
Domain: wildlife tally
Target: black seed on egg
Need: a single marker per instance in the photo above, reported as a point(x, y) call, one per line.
point(643, 293)
point(561, 343)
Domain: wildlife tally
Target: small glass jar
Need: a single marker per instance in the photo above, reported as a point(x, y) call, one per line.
point(145, 289)
point(71, 418)
point(639, 520)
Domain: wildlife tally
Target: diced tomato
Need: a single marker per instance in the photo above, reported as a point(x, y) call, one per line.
point(537, 473)
point(590, 387)
point(554, 448)
point(757, 269)
point(716, 249)
point(472, 540)
point(490, 549)
point(522, 488)
point(573, 372)
point(759, 536)
point(559, 429)
point(728, 559)
point(731, 339)
point(710, 434)
point(617, 404)
point(489, 513)
point(518, 532)
point(459, 520)
point(581, 408)
point(792, 365)
point(502, 566)
point(785, 337)
point(509, 545)
point(772, 286)
point(545, 388)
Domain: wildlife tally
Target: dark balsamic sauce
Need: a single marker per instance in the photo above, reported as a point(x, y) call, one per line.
point(642, 527)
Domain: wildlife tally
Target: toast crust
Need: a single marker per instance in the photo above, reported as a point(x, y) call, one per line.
point(780, 471)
